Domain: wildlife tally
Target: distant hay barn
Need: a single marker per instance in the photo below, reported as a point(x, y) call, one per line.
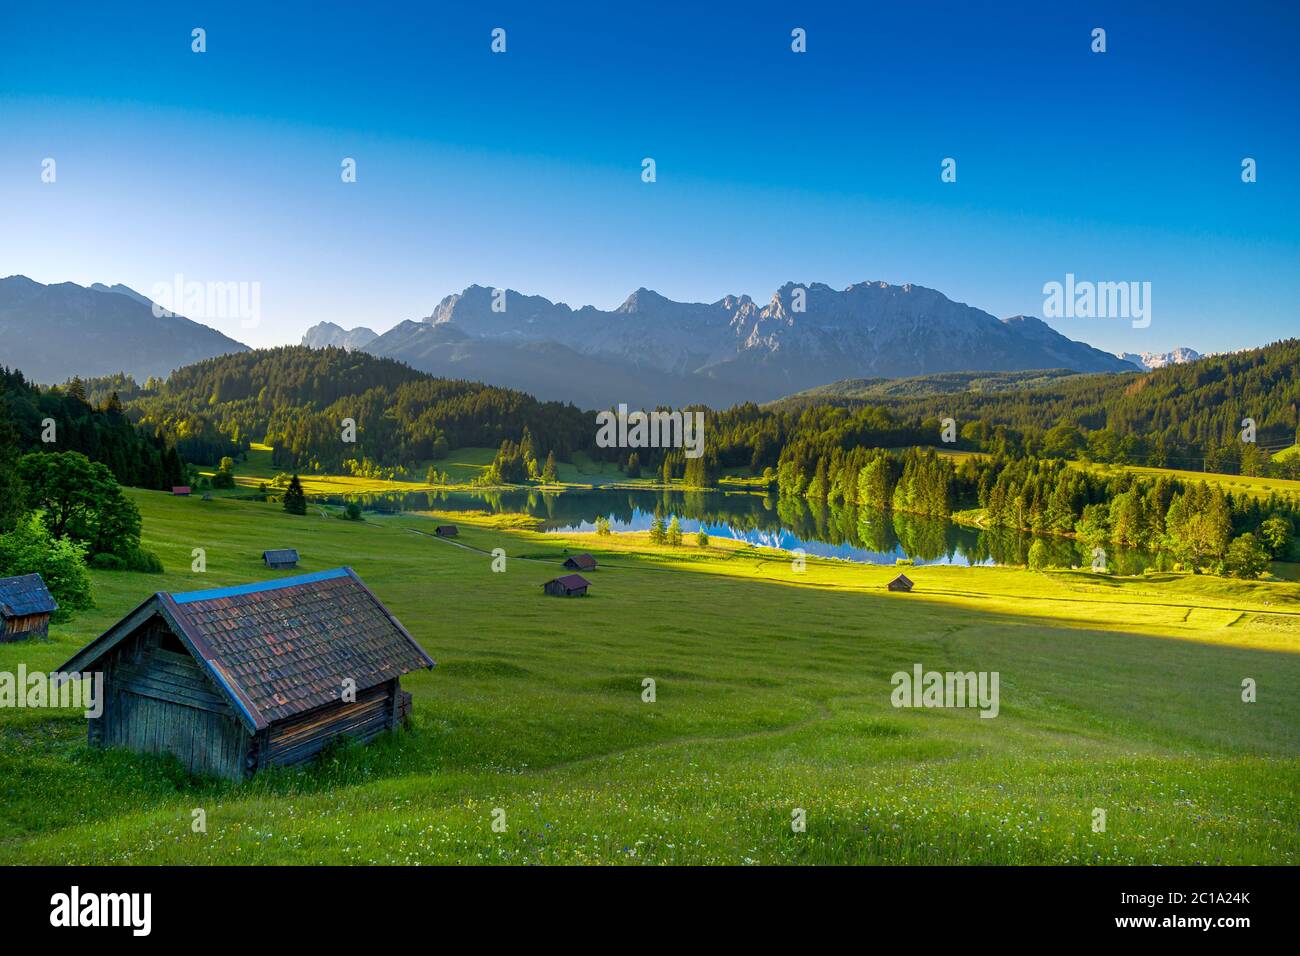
point(234, 680)
point(580, 562)
point(280, 558)
point(901, 583)
point(181, 491)
point(570, 585)
point(446, 531)
point(25, 608)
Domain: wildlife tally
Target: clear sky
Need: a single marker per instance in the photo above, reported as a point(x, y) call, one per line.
point(523, 169)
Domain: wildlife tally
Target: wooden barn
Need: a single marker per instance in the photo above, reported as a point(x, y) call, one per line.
point(181, 491)
point(570, 585)
point(25, 608)
point(446, 531)
point(580, 562)
point(901, 583)
point(236, 679)
point(281, 558)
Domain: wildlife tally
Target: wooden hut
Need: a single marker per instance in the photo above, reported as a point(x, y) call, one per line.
point(181, 491)
point(280, 558)
point(580, 562)
point(446, 531)
point(25, 608)
point(570, 585)
point(901, 583)
point(235, 679)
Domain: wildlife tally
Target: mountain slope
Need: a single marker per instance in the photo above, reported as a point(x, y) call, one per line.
point(53, 332)
point(653, 350)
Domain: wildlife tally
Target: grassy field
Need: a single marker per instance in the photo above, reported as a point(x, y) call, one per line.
point(773, 694)
point(1237, 484)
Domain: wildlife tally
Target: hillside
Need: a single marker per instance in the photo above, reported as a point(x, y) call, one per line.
point(772, 692)
point(298, 399)
point(55, 332)
point(1194, 408)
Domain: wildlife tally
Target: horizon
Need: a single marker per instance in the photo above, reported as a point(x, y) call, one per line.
point(514, 170)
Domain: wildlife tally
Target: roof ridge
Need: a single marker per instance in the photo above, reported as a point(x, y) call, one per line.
point(235, 590)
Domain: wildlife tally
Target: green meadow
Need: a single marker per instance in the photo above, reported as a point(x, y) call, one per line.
point(772, 695)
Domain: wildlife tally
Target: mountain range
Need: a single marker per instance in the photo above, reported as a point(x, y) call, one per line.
point(652, 350)
point(649, 351)
point(53, 332)
point(1147, 361)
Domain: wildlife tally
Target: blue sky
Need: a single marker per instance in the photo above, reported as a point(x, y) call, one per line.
point(523, 169)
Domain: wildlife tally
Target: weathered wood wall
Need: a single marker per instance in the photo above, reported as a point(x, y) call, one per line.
point(159, 701)
point(24, 628)
point(303, 737)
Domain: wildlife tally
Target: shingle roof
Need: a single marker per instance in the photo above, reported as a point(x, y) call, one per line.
point(25, 594)
point(571, 581)
point(583, 562)
point(279, 648)
point(280, 554)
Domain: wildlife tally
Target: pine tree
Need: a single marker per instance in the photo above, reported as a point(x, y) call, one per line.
point(674, 534)
point(657, 530)
point(295, 502)
point(548, 471)
point(11, 487)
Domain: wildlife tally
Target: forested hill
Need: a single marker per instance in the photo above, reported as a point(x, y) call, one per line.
point(298, 399)
point(97, 427)
point(1189, 410)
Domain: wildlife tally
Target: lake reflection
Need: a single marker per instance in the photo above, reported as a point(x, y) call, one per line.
point(849, 533)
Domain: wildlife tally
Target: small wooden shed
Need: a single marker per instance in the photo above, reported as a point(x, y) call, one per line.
point(901, 583)
point(446, 531)
point(580, 562)
point(280, 558)
point(235, 679)
point(181, 491)
point(25, 608)
point(570, 585)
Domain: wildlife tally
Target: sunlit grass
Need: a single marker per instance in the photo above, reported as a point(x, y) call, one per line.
point(772, 693)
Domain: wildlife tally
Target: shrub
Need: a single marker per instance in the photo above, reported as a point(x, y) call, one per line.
point(146, 562)
point(61, 562)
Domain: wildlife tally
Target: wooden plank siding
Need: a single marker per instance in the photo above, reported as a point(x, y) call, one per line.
point(160, 702)
point(25, 627)
point(303, 737)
